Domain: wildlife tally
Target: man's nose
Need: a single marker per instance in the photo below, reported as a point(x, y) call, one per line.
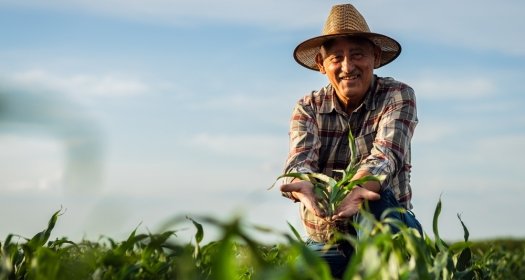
point(347, 65)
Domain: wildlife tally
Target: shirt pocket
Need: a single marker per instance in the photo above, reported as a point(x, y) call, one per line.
point(364, 144)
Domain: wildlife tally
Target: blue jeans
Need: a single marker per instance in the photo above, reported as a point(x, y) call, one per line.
point(338, 255)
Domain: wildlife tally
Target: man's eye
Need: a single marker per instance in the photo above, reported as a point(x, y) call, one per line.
point(336, 58)
point(357, 56)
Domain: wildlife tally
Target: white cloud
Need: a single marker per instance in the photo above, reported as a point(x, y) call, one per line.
point(238, 101)
point(273, 13)
point(439, 86)
point(476, 25)
point(80, 84)
point(431, 132)
point(503, 150)
point(30, 163)
point(255, 146)
point(471, 163)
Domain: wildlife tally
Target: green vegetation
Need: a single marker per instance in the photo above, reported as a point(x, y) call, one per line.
point(237, 255)
point(331, 192)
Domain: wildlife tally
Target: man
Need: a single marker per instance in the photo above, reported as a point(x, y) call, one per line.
point(380, 112)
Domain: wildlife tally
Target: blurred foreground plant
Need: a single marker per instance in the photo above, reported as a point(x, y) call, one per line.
point(238, 255)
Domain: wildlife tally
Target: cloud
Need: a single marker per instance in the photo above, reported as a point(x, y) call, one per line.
point(464, 162)
point(254, 146)
point(432, 132)
point(30, 163)
point(502, 151)
point(452, 87)
point(477, 25)
point(32, 108)
point(271, 13)
point(81, 84)
point(472, 24)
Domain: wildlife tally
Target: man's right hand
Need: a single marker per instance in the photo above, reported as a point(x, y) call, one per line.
point(304, 192)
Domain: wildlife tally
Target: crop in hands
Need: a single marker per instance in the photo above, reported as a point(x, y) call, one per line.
point(330, 192)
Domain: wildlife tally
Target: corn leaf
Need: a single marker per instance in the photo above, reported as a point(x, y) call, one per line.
point(439, 243)
point(295, 232)
point(465, 230)
point(353, 151)
point(302, 176)
point(41, 238)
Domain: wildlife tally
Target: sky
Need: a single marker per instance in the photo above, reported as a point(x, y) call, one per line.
point(126, 114)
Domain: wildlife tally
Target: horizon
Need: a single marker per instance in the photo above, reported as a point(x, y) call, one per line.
point(129, 113)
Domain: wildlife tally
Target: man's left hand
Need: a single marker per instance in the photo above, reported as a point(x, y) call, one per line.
point(352, 202)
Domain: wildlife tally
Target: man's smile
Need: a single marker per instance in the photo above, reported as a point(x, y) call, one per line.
point(349, 78)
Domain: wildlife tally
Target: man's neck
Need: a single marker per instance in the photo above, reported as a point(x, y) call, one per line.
point(350, 104)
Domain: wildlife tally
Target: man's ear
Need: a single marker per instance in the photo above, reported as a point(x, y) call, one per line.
point(377, 56)
point(319, 62)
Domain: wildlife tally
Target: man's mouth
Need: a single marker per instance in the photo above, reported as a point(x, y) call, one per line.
point(351, 77)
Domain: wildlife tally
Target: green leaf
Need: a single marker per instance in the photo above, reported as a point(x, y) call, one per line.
point(302, 176)
point(353, 150)
point(464, 259)
point(465, 230)
point(440, 244)
point(295, 232)
point(459, 246)
point(223, 261)
point(314, 266)
point(199, 235)
point(41, 238)
point(321, 192)
point(362, 180)
point(335, 195)
point(324, 178)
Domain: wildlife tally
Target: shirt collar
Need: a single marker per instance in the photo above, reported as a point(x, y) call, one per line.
point(330, 99)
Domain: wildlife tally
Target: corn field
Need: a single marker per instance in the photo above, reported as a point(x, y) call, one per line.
point(238, 255)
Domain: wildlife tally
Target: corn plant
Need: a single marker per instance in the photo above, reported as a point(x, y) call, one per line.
point(330, 192)
point(380, 254)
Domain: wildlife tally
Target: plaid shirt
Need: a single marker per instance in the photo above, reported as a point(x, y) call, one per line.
point(382, 125)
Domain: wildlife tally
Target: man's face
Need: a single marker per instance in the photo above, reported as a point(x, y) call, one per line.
point(349, 65)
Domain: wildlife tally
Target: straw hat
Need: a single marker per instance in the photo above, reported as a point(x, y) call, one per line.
point(344, 20)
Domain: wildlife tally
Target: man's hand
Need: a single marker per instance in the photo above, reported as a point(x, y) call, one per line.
point(352, 202)
point(304, 192)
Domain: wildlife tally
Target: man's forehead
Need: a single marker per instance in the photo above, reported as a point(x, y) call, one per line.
point(355, 42)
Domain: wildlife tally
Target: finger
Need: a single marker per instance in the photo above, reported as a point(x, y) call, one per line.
point(370, 195)
point(318, 212)
point(312, 206)
point(344, 214)
point(292, 187)
point(346, 211)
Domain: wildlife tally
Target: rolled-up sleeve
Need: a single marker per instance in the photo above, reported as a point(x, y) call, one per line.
point(394, 133)
point(304, 142)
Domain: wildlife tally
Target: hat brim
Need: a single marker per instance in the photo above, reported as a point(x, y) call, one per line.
point(306, 52)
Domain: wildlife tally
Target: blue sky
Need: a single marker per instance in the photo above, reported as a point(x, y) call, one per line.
point(132, 112)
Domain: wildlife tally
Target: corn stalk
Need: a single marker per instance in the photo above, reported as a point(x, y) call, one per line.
point(329, 191)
